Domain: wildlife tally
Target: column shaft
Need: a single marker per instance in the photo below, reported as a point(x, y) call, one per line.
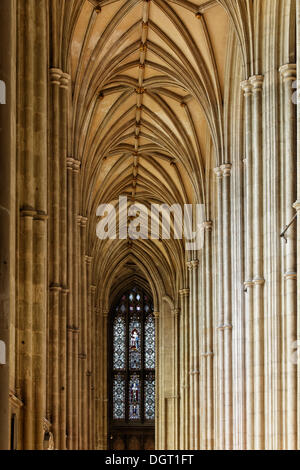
point(258, 320)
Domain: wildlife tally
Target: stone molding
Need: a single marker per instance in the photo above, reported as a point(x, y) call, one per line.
point(288, 72)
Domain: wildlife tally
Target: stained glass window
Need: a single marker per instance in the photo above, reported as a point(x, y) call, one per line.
point(119, 360)
point(134, 397)
point(150, 342)
point(133, 358)
point(150, 397)
point(119, 397)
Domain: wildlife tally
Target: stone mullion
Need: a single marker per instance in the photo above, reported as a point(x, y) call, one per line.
point(83, 335)
point(258, 299)
point(70, 317)
point(288, 73)
point(208, 355)
point(55, 288)
point(220, 340)
point(227, 326)
point(75, 297)
point(247, 88)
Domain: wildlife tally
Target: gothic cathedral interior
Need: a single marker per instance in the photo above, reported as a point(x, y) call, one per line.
point(121, 123)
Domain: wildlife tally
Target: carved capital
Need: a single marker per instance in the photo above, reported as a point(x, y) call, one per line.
point(70, 163)
point(65, 80)
point(288, 72)
point(218, 172)
point(226, 169)
point(76, 166)
point(55, 76)
point(184, 292)
point(290, 276)
point(82, 221)
point(257, 82)
point(247, 87)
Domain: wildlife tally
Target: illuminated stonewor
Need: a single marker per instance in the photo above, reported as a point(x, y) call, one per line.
point(162, 102)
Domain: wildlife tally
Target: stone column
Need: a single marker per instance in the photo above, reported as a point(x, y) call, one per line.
point(182, 376)
point(89, 372)
point(191, 432)
point(75, 296)
point(227, 326)
point(248, 284)
point(76, 307)
point(288, 73)
point(176, 375)
point(94, 345)
point(83, 337)
point(258, 266)
point(184, 369)
point(64, 95)
point(39, 336)
point(297, 208)
point(157, 417)
point(98, 379)
point(208, 354)
point(196, 353)
point(70, 314)
point(54, 254)
point(7, 208)
point(32, 201)
point(220, 306)
point(104, 384)
point(194, 356)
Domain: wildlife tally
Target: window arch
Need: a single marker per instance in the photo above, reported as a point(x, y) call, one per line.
point(132, 359)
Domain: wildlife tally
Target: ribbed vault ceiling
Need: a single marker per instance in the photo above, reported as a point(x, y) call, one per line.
point(147, 80)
